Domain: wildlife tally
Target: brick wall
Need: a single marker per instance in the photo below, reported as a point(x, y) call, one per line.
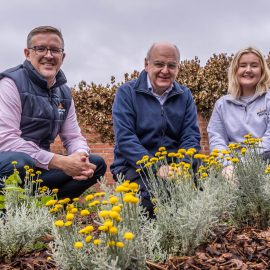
point(106, 150)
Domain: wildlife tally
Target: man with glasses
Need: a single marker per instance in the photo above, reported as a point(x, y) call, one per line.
point(151, 112)
point(35, 106)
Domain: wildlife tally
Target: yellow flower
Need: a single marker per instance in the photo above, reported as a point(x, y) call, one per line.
point(203, 175)
point(134, 186)
point(89, 229)
point(148, 164)
point(114, 214)
point(59, 223)
point(116, 208)
point(14, 162)
point(126, 184)
point(108, 223)
point(145, 157)
point(182, 151)
point(113, 199)
point(93, 203)
point(85, 212)
point(64, 201)
point(121, 188)
point(162, 148)
point(103, 228)
point(99, 194)
point(189, 153)
point(153, 159)
point(129, 235)
point(26, 167)
point(113, 230)
point(214, 154)
point(96, 242)
point(68, 223)
point(140, 162)
point(225, 152)
point(187, 166)
point(157, 154)
point(243, 150)
point(78, 245)
point(248, 136)
point(127, 198)
point(120, 244)
point(179, 155)
point(69, 207)
point(75, 199)
point(55, 190)
point(111, 243)
point(86, 230)
point(69, 216)
point(51, 202)
point(74, 210)
point(199, 156)
point(172, 155)
point(104, 213)
point(89, 197)
point(138, 170)
point(235, 160)
point(88, 238)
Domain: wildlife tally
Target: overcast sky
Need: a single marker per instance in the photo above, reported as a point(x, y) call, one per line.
point(111, 37)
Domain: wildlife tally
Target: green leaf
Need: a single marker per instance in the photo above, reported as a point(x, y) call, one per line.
point(2, 198)
point(45, 199)
point(14, 179)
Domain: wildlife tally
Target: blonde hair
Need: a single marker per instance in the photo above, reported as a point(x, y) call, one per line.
point(234, 87)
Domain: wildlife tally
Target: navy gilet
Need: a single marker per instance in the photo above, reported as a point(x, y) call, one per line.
point(44, 109)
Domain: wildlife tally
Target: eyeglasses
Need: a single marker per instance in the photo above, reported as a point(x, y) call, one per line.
point(42, 50)
point(161, 65)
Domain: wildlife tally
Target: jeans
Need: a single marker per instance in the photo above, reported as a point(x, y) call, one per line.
point(54, 178)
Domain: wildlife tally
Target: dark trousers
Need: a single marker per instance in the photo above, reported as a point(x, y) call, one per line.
point(54, 178)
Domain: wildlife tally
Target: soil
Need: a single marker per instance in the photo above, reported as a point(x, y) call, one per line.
point(243, 249)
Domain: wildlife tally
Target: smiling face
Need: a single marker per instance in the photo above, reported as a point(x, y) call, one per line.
point(47, 65)
point(249, 73)
point(162, 66)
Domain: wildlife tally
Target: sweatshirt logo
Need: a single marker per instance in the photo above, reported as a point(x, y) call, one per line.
point(262, 112)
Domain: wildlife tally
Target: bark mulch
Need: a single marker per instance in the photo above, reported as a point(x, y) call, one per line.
point(231, 249)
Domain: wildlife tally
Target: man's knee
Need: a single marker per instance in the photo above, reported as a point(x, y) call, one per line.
point(21, 159)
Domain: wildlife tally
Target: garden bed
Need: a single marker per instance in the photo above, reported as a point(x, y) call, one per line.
point(230, 249)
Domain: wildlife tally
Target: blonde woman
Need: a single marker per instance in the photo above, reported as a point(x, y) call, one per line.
point(246, 108)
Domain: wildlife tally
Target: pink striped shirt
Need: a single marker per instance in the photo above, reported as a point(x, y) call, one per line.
point(10, 133)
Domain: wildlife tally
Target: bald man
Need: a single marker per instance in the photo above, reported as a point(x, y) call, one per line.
point(150, 112)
